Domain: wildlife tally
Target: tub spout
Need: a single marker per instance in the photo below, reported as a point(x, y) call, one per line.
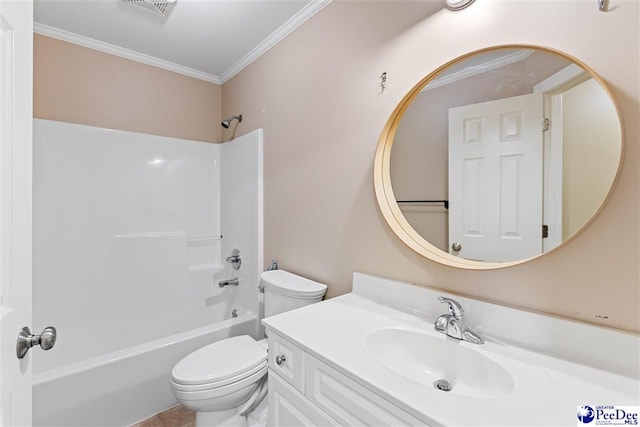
point(230, 282)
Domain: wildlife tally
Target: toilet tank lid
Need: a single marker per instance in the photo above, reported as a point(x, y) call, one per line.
point(285, 283)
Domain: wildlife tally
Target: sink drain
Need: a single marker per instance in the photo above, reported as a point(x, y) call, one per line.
point(443, 385)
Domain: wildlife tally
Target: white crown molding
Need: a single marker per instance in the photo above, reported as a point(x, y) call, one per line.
point(287, 28)
point(570, 73)
point(478, 69)
point(90, 43)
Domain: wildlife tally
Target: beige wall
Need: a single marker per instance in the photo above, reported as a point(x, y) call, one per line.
point(316, 95)
point(80, 85)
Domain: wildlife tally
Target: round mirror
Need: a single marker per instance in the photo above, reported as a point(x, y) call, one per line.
point(498, 157)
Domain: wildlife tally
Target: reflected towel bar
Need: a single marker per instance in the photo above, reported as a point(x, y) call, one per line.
point(444, 202)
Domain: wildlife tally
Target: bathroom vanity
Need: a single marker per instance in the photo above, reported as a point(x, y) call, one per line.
point(372, 357)
point(305, 391)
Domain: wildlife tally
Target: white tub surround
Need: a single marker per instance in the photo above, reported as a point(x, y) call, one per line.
point(372, 356)
point(241, 216)
point(131, 233)
point(127, 238)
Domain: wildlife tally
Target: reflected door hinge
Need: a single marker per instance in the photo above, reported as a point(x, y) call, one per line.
point(546, 124)
point(545, 231)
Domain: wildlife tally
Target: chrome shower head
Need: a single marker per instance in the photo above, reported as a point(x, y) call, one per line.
point(226, 123)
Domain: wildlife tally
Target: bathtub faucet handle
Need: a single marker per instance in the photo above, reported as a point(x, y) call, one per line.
point(235, 259)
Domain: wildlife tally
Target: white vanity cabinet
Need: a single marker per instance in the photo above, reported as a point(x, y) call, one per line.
point(305, 391)
point(371, 358)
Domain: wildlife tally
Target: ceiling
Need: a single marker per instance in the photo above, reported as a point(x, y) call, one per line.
point(208, 39)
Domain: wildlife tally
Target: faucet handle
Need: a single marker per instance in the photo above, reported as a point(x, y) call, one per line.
point(455, 309)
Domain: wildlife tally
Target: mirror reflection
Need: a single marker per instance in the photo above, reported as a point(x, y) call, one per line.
point(505, 154)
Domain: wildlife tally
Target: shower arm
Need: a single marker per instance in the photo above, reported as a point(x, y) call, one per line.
point(226, 123)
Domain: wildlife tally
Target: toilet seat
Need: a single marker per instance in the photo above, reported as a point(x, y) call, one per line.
point(198, 393)
point(260, 369)
point(217, 398)
point(220, 364)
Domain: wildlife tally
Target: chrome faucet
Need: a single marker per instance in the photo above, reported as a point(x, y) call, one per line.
point(452, 325)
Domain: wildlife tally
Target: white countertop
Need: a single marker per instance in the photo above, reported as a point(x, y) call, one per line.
point(547, 389)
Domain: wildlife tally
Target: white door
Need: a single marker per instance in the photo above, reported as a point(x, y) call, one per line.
point(16, 63)
point(495, 179)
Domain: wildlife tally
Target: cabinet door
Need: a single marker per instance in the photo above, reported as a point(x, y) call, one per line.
point(288, 408)
point(349, 402)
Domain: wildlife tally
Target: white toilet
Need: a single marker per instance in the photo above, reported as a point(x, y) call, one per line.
point(226, 379)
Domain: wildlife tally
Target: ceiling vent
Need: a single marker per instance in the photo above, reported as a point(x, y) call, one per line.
point(159, 7)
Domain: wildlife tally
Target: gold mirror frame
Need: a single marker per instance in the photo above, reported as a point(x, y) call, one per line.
point(382, 174)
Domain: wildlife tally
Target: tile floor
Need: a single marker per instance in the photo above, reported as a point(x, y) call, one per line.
point(177, 416)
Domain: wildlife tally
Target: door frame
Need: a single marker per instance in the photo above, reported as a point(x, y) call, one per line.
point(552, 89)
point(16, 175)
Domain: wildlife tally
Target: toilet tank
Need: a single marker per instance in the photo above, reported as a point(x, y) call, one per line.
point(284, 291)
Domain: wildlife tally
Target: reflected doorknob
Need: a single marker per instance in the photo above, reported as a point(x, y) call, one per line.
point(46, 340)
point(456, 247)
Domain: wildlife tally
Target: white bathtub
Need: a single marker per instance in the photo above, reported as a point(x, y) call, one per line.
point(123, 387)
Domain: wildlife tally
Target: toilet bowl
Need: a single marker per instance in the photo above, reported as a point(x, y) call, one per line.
point(225, 380)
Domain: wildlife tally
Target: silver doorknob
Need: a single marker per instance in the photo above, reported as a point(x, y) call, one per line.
point(456, 247)
point(46, 340)
point(280, 359)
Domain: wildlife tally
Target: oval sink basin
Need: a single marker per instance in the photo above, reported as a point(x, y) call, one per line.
point(426, 358)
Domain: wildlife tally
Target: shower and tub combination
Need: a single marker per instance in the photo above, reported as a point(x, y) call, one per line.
point(131, 236)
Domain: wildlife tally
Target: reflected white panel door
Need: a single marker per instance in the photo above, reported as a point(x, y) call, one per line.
point(16, 51)
point(495, 179)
